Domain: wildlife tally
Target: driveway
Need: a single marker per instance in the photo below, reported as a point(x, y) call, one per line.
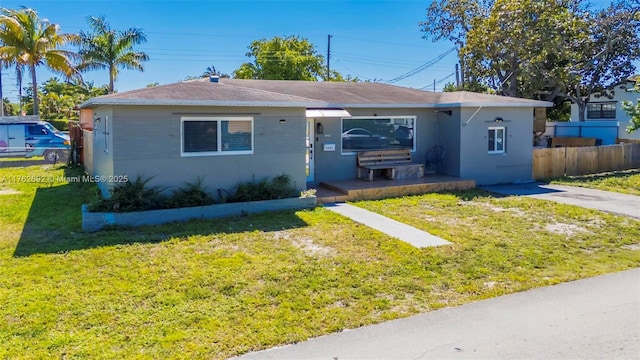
point(616, 203)
point(596, 318)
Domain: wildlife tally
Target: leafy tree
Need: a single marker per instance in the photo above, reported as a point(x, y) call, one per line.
point(541, 49)
point(633, 110)
point(30, 41)
point(452, 20)
point(107, 48)
point(282, 58)
point(606, 57)
point(9, 108)
point(522, 47)
point(468, 86)
point(60, 98)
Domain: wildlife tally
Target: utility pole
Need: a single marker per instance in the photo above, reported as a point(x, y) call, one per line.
point(457, 77)
point(434, 85)
point(328, 57)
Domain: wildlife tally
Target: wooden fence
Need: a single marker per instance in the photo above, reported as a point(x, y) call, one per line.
point(573, 161)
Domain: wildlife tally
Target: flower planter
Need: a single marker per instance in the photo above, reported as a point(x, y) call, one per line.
point(94, 221)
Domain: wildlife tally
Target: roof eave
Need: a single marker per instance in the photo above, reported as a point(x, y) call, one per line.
point(172, 102)
point(495, 104)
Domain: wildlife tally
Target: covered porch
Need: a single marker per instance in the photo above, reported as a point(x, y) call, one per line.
point(355, 189)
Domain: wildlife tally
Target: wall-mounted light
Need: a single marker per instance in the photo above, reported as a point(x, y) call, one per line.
point(319, 128)
point(498, 119)
point(97, 120)
point(282, 121)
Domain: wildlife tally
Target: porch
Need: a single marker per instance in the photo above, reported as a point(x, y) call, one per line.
point(355, 189)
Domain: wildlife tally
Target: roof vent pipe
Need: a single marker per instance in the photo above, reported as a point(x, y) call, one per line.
point(214, 79)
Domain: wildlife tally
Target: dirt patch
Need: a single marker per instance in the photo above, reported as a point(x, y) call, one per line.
point(496, 208)
point(9, 192)
point(305, 244)
point(635, 247)
point(565, 229)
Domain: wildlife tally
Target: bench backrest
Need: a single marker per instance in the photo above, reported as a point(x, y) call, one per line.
point(381, 157)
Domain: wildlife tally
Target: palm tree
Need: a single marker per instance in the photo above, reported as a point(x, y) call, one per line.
point(30, 41)
point(106, 48)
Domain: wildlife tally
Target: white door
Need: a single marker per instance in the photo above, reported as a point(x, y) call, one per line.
point(310, 155)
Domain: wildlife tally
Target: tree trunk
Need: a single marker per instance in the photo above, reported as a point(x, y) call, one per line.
point(581, 110)
point(34, 88)
point(111, 76)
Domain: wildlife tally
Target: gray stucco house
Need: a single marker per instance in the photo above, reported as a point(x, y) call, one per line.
point(227, 131)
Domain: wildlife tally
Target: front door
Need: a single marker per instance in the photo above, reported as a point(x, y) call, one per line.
point(310, 149)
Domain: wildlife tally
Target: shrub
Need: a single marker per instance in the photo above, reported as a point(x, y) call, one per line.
point(132, 196)
point(279, 187)
point(137, 195)
point(191, 194)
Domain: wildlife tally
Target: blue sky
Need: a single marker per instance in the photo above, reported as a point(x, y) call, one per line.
point(371, 39)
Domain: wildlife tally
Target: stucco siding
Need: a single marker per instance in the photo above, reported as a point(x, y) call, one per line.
point(101, 164)
point(515, 164)
point(334, 165)
point(148, 143)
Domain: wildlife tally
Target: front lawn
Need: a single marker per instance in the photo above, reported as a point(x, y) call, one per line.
point(218, 288)
point(627, 182)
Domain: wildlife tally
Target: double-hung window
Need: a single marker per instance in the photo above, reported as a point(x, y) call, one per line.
point(497, 137)
point(216, 136)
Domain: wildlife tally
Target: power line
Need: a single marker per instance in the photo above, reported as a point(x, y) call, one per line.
point(421, 67)
point(439, 81)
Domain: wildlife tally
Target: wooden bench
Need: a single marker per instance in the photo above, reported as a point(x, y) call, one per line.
point(396, 163)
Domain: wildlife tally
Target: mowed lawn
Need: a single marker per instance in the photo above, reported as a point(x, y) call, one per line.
point(219, 288)
point(627, 182)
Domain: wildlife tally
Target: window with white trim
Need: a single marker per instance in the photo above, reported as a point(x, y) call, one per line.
point(216, 136)
point(376, 133)
point(497, 137)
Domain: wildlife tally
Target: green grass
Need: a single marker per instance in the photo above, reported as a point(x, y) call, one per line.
point(214, 289)
point(627, 182)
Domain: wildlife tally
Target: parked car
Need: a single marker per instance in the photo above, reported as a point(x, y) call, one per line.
point(33, 138)
point(358, 138)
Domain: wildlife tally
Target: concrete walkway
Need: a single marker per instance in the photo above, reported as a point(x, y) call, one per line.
point(617, 203)
point(597, 318)
point(398, 230)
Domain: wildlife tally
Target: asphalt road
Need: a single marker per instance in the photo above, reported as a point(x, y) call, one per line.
point(596, 318)
point(621, 204)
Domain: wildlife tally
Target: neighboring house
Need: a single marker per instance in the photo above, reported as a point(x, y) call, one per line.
point(605, 109)
point(227, 131)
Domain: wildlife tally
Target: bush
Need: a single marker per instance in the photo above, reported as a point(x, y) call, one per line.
point(192, 194)
point(60, 124)
point(132, 196)
point(279, 187)
point(137, 195)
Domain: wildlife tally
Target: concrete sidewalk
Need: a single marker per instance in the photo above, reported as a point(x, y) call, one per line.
point(596, 318)
point(396, 229)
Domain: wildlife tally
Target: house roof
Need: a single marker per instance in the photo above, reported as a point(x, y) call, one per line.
point(308, 94)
